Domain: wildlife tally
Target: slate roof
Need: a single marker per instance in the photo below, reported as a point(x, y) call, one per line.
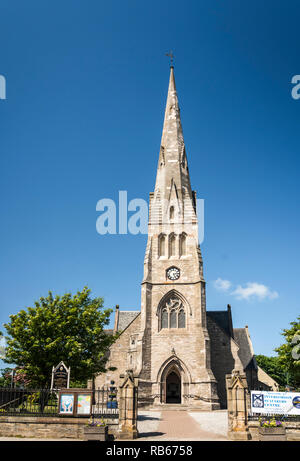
point(125, 318)
point(246, 353)
point(240, 335)
point(222, 319)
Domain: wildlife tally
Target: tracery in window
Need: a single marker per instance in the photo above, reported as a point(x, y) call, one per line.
point(172, 314)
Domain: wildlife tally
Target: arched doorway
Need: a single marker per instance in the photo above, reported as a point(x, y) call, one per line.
point(173, 378)
point(173, 387)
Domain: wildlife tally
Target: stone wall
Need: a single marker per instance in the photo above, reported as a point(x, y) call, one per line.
point(265, 382)
point(224, 357)
point(122, 355)
point(42, 427)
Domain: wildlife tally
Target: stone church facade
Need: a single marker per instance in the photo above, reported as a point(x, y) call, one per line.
point(178, 350)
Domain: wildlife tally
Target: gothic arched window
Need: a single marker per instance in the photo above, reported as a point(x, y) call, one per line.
point(182, 245)
point(172, 242)
point(172, 314)
point(162, 245)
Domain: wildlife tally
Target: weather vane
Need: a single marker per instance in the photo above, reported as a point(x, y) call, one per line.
point(171, 56)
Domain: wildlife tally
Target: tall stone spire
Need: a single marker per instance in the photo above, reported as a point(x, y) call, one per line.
point(172, 179)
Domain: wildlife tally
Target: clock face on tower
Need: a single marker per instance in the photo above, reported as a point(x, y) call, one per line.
point(173, 273)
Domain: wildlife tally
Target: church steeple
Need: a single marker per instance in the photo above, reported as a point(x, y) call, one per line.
point(172, 136)
point(172, 179)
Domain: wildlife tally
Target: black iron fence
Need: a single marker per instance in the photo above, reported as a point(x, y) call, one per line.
point(45, 402)
point(105, 403)
point(17, 401)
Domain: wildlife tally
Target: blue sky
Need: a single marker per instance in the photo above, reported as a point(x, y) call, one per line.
point(86, 90)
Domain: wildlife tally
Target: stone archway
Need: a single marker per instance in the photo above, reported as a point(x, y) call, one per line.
point(173, 387)
point(172, 384)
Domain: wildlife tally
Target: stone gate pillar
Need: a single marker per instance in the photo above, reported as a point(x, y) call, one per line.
point(128, 401)
point(237, 398)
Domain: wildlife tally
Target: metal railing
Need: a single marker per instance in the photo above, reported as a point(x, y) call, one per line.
point(105, 403)
point(29, 402)
point(44, 402)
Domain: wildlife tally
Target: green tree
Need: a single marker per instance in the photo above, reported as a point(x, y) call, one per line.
point(289, 353)
point(68, 328)
point(2, 347)
point(5, 378)
point(273, 367)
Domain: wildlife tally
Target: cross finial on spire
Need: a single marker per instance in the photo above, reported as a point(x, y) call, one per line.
point(171, 56)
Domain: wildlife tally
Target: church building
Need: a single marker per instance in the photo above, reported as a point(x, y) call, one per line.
point(178, 350)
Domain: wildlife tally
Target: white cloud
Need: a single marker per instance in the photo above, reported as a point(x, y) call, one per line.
point(250, 290)
point(222, 285)
point(254, 290)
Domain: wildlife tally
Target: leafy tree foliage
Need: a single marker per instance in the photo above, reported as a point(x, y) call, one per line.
point(68, 328)
point(289, 353)
point(2, 347)
point(13, 376)
point(5, 378)
point(273, 367)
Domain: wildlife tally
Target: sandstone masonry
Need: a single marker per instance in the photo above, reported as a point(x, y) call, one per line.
point(178, 352)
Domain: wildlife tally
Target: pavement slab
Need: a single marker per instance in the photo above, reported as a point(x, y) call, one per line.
point(177, 425)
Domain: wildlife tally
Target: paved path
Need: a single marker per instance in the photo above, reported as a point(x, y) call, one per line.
point(173, 425)
point(182, 425)
point(212, 421)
